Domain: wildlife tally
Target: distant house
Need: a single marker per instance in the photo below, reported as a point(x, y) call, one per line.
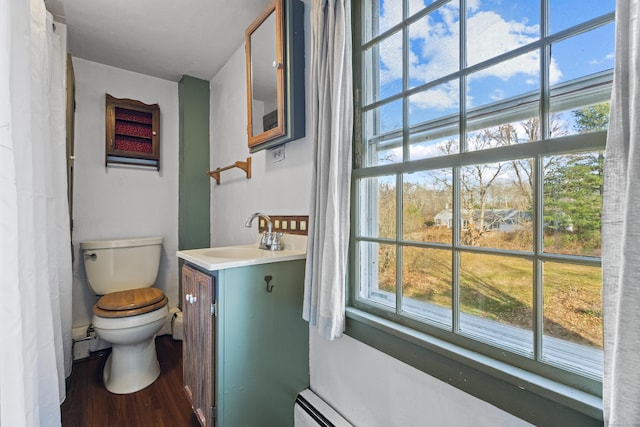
point(444, 218)
point(506, 220)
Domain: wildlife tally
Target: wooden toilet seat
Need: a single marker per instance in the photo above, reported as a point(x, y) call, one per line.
point(130, 303)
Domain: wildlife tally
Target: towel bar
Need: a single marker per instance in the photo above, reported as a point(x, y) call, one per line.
point(245, 166)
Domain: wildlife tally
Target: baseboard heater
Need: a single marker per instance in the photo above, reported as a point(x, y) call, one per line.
point(311, 411)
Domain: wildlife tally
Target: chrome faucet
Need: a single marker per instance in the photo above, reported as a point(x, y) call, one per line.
point(269, 240)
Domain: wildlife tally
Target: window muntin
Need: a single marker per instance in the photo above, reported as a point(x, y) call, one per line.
point(520, 92)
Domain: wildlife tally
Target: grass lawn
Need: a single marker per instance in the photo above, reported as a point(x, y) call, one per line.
point(500, 288)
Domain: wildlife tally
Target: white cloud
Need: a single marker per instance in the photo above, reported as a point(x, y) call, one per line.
point(490, 35)
point(391, 15)
point(473, 5)
point(391, 57)
point(497, 94)
point(423, 151)
point(441, 98)
point(607, 58)
point(435, 53)
point(440, 53)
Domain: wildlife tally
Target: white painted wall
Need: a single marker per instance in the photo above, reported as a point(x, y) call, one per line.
point(370, 388)
point(122, 201)
point(365, 385)
point(280, 188)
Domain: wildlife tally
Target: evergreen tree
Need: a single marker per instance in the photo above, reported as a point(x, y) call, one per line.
point(574, 185)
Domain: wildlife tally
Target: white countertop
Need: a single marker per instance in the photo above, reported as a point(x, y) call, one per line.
point(220, 258)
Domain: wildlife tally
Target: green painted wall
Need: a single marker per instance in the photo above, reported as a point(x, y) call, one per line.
point(194, 183)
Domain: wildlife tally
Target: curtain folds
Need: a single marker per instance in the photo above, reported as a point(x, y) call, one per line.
point(621, 228)
point(35, 257)
point(331, 101)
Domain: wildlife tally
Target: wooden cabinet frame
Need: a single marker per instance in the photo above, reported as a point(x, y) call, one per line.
point(132, 132)
point(198, 297)
point(289, 72)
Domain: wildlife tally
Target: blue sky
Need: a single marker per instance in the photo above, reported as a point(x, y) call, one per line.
point(494, 27)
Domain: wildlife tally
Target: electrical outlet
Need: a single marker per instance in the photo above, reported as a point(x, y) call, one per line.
point(278, 154)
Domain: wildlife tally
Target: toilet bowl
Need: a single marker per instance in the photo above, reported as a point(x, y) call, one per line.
point(129, 312)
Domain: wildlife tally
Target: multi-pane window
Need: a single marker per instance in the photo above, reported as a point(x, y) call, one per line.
point(480, 139)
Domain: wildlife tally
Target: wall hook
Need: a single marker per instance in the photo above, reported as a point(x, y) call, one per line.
point(268, 280)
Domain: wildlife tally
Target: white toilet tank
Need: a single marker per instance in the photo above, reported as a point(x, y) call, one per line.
point(120, 265)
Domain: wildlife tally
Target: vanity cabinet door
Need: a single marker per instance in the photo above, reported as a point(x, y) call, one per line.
point(197, 347)
point(263, 351)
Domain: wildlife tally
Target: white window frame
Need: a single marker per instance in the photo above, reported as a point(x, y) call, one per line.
point(368, 320)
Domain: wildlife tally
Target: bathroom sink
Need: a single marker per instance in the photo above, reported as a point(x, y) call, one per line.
point(220, 258)
point(238, 252)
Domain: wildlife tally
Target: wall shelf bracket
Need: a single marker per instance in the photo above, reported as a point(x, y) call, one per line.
point(245, 166)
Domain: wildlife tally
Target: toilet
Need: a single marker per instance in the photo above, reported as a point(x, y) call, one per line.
point(129, 312)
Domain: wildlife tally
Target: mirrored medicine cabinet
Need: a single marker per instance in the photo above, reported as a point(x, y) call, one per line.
point(275, 75)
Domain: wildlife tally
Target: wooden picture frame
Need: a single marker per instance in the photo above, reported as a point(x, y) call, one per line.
point(132, 132)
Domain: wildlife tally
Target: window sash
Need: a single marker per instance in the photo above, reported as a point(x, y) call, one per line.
point(587, 90)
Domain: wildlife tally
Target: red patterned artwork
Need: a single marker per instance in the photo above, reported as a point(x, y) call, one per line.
point(133, 129)
point(133, 116)
point(133, 144)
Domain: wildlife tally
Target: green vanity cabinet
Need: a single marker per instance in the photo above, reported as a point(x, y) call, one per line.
point(261, 343)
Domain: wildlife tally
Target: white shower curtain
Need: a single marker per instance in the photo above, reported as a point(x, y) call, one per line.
point(35, 257)
point(621, 228)
point(331, 129)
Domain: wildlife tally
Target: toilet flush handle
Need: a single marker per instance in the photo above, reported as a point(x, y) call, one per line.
point(91, 255)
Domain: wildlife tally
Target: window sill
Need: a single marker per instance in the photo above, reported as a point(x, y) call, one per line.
point(529, 396)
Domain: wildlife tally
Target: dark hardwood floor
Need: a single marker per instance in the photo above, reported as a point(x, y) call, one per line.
point(162, 404)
